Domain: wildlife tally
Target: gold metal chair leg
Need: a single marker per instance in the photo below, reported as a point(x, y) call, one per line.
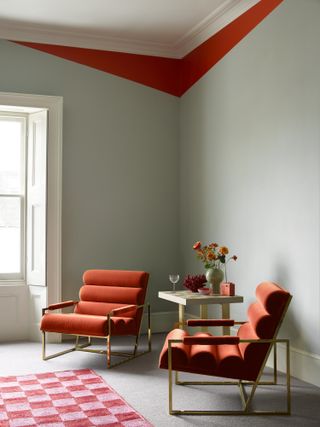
point(243, 393)
point(275, 366)
point(51, 356)
point(43, 336)
point(136, 345)
point(288, 377)
point(108, 352)
point(170, 377)
point(149, 328)
point(249, 400)
point(176, 379)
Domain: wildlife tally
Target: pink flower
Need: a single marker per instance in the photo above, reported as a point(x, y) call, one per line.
point(197, 246)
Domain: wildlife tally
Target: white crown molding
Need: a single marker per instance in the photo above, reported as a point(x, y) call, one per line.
point(226, 13)
point(222, 16)
point(76, 38)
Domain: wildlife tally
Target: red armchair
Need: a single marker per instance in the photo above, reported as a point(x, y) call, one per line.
point(241, 358)
point(111, 303)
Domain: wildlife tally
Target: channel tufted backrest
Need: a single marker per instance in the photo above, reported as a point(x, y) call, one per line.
point(118, 278)
point(105, 290)
point(265, 317)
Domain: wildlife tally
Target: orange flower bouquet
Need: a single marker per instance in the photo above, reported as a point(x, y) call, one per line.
point(213, 255)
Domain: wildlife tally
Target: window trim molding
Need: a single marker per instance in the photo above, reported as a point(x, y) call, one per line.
point(21, 276)
point(54, 105)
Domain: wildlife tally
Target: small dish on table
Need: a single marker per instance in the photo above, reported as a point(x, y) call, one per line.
point(204, 291)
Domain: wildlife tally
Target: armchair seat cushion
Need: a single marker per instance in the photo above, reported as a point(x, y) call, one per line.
point(84, 324)
point(217, 360)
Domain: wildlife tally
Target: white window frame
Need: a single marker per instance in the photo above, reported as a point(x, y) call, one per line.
point(21, 275)
point(54, 104)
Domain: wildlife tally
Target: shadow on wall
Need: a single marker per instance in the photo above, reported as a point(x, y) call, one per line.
point(290, 324)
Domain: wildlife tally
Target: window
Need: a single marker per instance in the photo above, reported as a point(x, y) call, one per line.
point(12, 196)
point(43, 187)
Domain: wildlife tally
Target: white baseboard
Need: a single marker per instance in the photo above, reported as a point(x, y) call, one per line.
point(303, 365)
point(160, 322)
point(34, 332)
point(164, 321)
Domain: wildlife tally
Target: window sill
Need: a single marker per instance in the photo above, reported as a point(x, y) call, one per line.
point(15, 283)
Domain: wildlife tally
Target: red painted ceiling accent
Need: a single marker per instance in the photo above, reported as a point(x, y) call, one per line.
point(173, 76)
point(156, 72)
point(205, 56)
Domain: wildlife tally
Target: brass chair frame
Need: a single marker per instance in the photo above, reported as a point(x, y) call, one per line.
point(107, 352)
point(246, 399)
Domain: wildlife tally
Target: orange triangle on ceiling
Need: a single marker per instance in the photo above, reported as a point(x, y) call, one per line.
point(153, 71)
point(173, 76)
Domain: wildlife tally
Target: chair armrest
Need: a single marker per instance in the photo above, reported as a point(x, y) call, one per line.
point(210, 322)
point(225, 339)
point(121, 310)
point(265, 340)
point(60, 305)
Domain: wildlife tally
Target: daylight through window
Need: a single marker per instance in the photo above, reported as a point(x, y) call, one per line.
point(12, 196)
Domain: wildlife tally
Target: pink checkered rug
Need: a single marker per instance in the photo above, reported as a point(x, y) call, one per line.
point(77, 398)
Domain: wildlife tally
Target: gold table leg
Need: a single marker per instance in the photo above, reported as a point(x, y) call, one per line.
point(204, 315)
point(181, 316)
point(225, 315)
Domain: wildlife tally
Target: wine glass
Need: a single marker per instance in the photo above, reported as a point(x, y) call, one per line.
point(174, 278)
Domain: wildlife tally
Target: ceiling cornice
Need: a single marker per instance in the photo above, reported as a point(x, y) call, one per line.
point(226, 13)
point(213, 23)
point(83, 39)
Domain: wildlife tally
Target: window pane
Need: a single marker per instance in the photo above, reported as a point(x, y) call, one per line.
point(10, 235)
point(10, 156)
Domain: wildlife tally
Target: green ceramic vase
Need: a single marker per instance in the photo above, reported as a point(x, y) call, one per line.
point(215, 276)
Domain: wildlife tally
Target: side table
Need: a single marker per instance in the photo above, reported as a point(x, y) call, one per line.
point(185, 297)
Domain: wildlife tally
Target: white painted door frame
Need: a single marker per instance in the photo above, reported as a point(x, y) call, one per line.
point(54, 105)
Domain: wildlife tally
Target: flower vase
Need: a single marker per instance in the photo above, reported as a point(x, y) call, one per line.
point(214, 276)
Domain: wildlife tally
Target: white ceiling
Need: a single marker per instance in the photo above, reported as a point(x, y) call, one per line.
point(170, 28)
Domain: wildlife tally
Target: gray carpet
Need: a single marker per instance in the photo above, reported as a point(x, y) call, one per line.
point(144, 387)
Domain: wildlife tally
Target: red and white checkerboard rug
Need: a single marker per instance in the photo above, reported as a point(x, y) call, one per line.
point(77, 398)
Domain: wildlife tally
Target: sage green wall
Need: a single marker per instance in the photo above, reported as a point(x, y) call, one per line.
point(120, 174)
point(249, 149)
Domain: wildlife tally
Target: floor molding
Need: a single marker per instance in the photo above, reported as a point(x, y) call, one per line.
point(304, 365)
point(160, 321)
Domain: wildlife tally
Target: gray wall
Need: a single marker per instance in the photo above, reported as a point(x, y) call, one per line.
point(120, 175)
point(249, 148)
point(246, 153)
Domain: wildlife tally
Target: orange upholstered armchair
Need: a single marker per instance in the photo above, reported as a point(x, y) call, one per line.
point(111, 303)
point(241, 358)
